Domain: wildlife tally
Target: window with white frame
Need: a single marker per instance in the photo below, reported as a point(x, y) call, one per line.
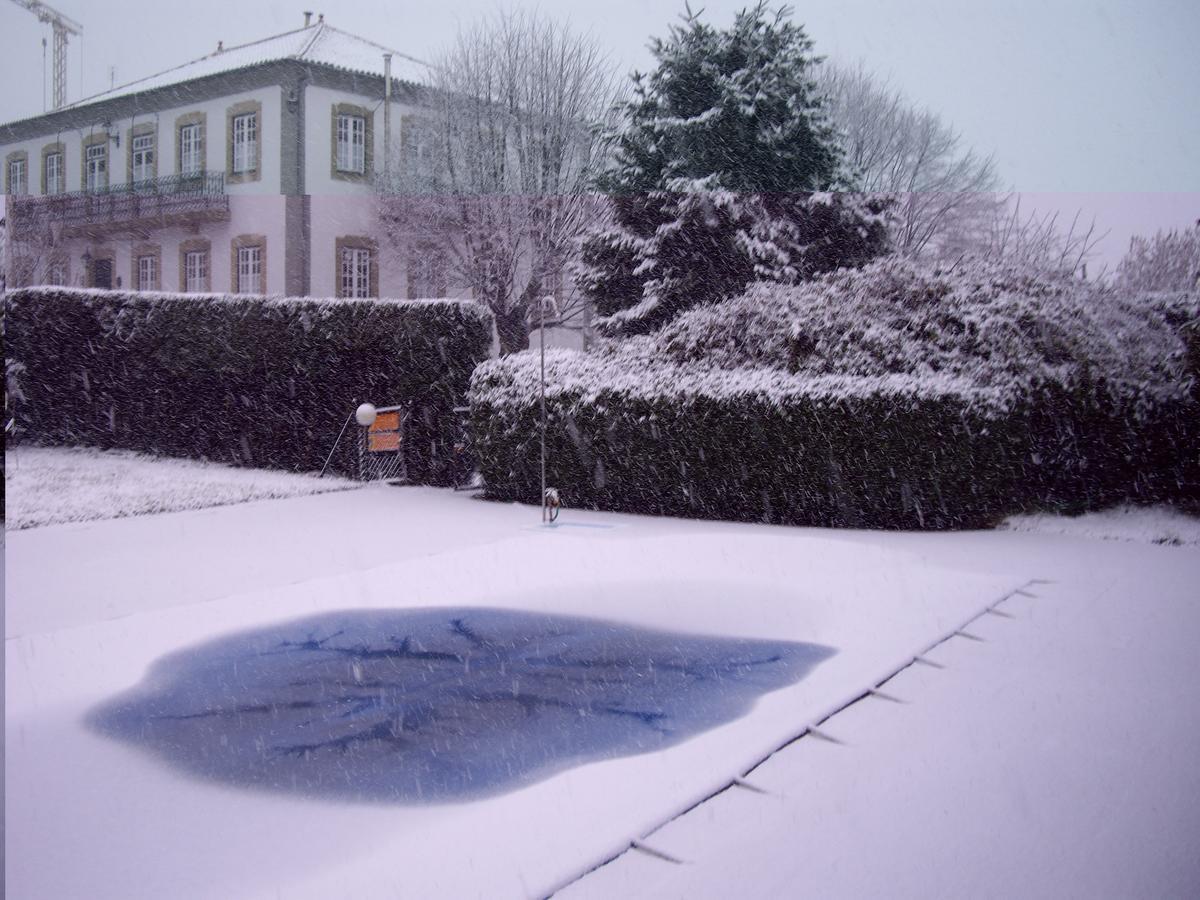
point(97, 167)
point(56, 273)
point(245, 143)
point(351, 144)
point(189, 150)
point(147, 273)
point(18, 182)
point(356, 272)
point(195, 265)
point(249, 270)
point(143, 158)
point(54, 173)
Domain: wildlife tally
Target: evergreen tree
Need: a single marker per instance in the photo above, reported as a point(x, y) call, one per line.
point(723, 173)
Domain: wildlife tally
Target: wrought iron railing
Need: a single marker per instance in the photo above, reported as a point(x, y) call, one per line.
point(142, 202)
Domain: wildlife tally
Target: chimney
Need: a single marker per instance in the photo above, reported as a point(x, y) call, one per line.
point(307, 18)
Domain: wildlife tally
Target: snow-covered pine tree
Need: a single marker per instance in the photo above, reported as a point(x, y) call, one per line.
point(724, 172)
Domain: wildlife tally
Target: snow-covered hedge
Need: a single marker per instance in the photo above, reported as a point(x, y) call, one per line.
point(256, 381)
point(892, 396)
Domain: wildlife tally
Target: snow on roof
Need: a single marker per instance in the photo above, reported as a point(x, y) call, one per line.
point(319, 43)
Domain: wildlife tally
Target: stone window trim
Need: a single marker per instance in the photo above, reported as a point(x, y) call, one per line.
point(93, 140)
point(240, 109)
point(140, 131)
point(195, 245)
point(95, 255)
point(195, 118)
point(368, 117)
point(355, 242)
point(47, 151)
point(247, 240)
point(138, 251)
point(15, 156)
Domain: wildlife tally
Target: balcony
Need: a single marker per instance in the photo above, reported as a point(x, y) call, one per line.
point(136, 208)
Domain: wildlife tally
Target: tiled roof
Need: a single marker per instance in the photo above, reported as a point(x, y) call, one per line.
point(320, 43)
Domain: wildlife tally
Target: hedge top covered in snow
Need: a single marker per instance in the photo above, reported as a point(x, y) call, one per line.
point(515, 380)
point(84, 295)
point(988, 333)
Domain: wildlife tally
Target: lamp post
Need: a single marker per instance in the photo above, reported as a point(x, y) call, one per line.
point(542, 304)
point(364, 415)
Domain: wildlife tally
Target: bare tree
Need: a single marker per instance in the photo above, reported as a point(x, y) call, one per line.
point(1036, 241)
point(1169, 261)
point(497, 174)
point(940, 188)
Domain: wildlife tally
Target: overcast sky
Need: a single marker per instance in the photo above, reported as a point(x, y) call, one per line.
point(1088, 104)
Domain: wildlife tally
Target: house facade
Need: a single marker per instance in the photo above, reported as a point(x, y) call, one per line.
point(249, 170)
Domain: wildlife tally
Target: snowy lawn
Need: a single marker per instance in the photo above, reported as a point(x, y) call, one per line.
point(49, 485)
point(1080, 713)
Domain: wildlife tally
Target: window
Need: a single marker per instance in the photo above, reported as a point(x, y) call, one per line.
point(356, 272)
point(56, 273)
point(142, 150)
point(243, 147)
point(249, 270)
point(147, 273)
point(351, 144)
point(96, 167)
point(18, 183)
point(189, 150)
point(245, 143)
point(195, 271)
point(53, 163)
point(190, 158)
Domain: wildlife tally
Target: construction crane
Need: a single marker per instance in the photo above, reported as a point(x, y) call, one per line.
point(63, 26)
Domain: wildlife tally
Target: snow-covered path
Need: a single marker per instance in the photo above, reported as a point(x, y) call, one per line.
point(91, 606)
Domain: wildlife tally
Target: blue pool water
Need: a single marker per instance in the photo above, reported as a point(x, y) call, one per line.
point(437, 705)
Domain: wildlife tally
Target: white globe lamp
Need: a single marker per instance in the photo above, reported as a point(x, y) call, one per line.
point(365, 415)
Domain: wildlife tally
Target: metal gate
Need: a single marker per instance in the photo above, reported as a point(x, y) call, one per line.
point(381, 446)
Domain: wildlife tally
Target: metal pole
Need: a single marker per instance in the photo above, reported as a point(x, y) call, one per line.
point(387, 120)
point(542, 342)
point(335, 443)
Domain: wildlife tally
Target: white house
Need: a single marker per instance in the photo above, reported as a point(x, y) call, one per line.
point(247, 170)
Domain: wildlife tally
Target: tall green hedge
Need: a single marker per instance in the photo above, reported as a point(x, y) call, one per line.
point(248, 380)
point(847, 452)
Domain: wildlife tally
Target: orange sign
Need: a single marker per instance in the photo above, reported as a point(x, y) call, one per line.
point(383, 435)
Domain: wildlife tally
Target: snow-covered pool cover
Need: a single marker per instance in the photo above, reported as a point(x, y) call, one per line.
point(435, 705)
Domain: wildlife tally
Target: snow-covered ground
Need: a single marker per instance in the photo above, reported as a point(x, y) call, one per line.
point(46, 485)
point(1148, 524)
point(1054, 757)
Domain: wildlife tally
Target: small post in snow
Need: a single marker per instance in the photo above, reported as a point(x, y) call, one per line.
point(542, 304)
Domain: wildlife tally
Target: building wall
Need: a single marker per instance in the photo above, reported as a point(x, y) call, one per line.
point(214, 111)
point(298, 202)
point(249, 215)
point(319, 103)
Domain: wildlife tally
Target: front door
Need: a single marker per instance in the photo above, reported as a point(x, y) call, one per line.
point(102, 274)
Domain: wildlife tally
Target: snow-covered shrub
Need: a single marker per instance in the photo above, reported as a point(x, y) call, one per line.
point(892, 396)
point(1005, 330)
point(251, 380)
